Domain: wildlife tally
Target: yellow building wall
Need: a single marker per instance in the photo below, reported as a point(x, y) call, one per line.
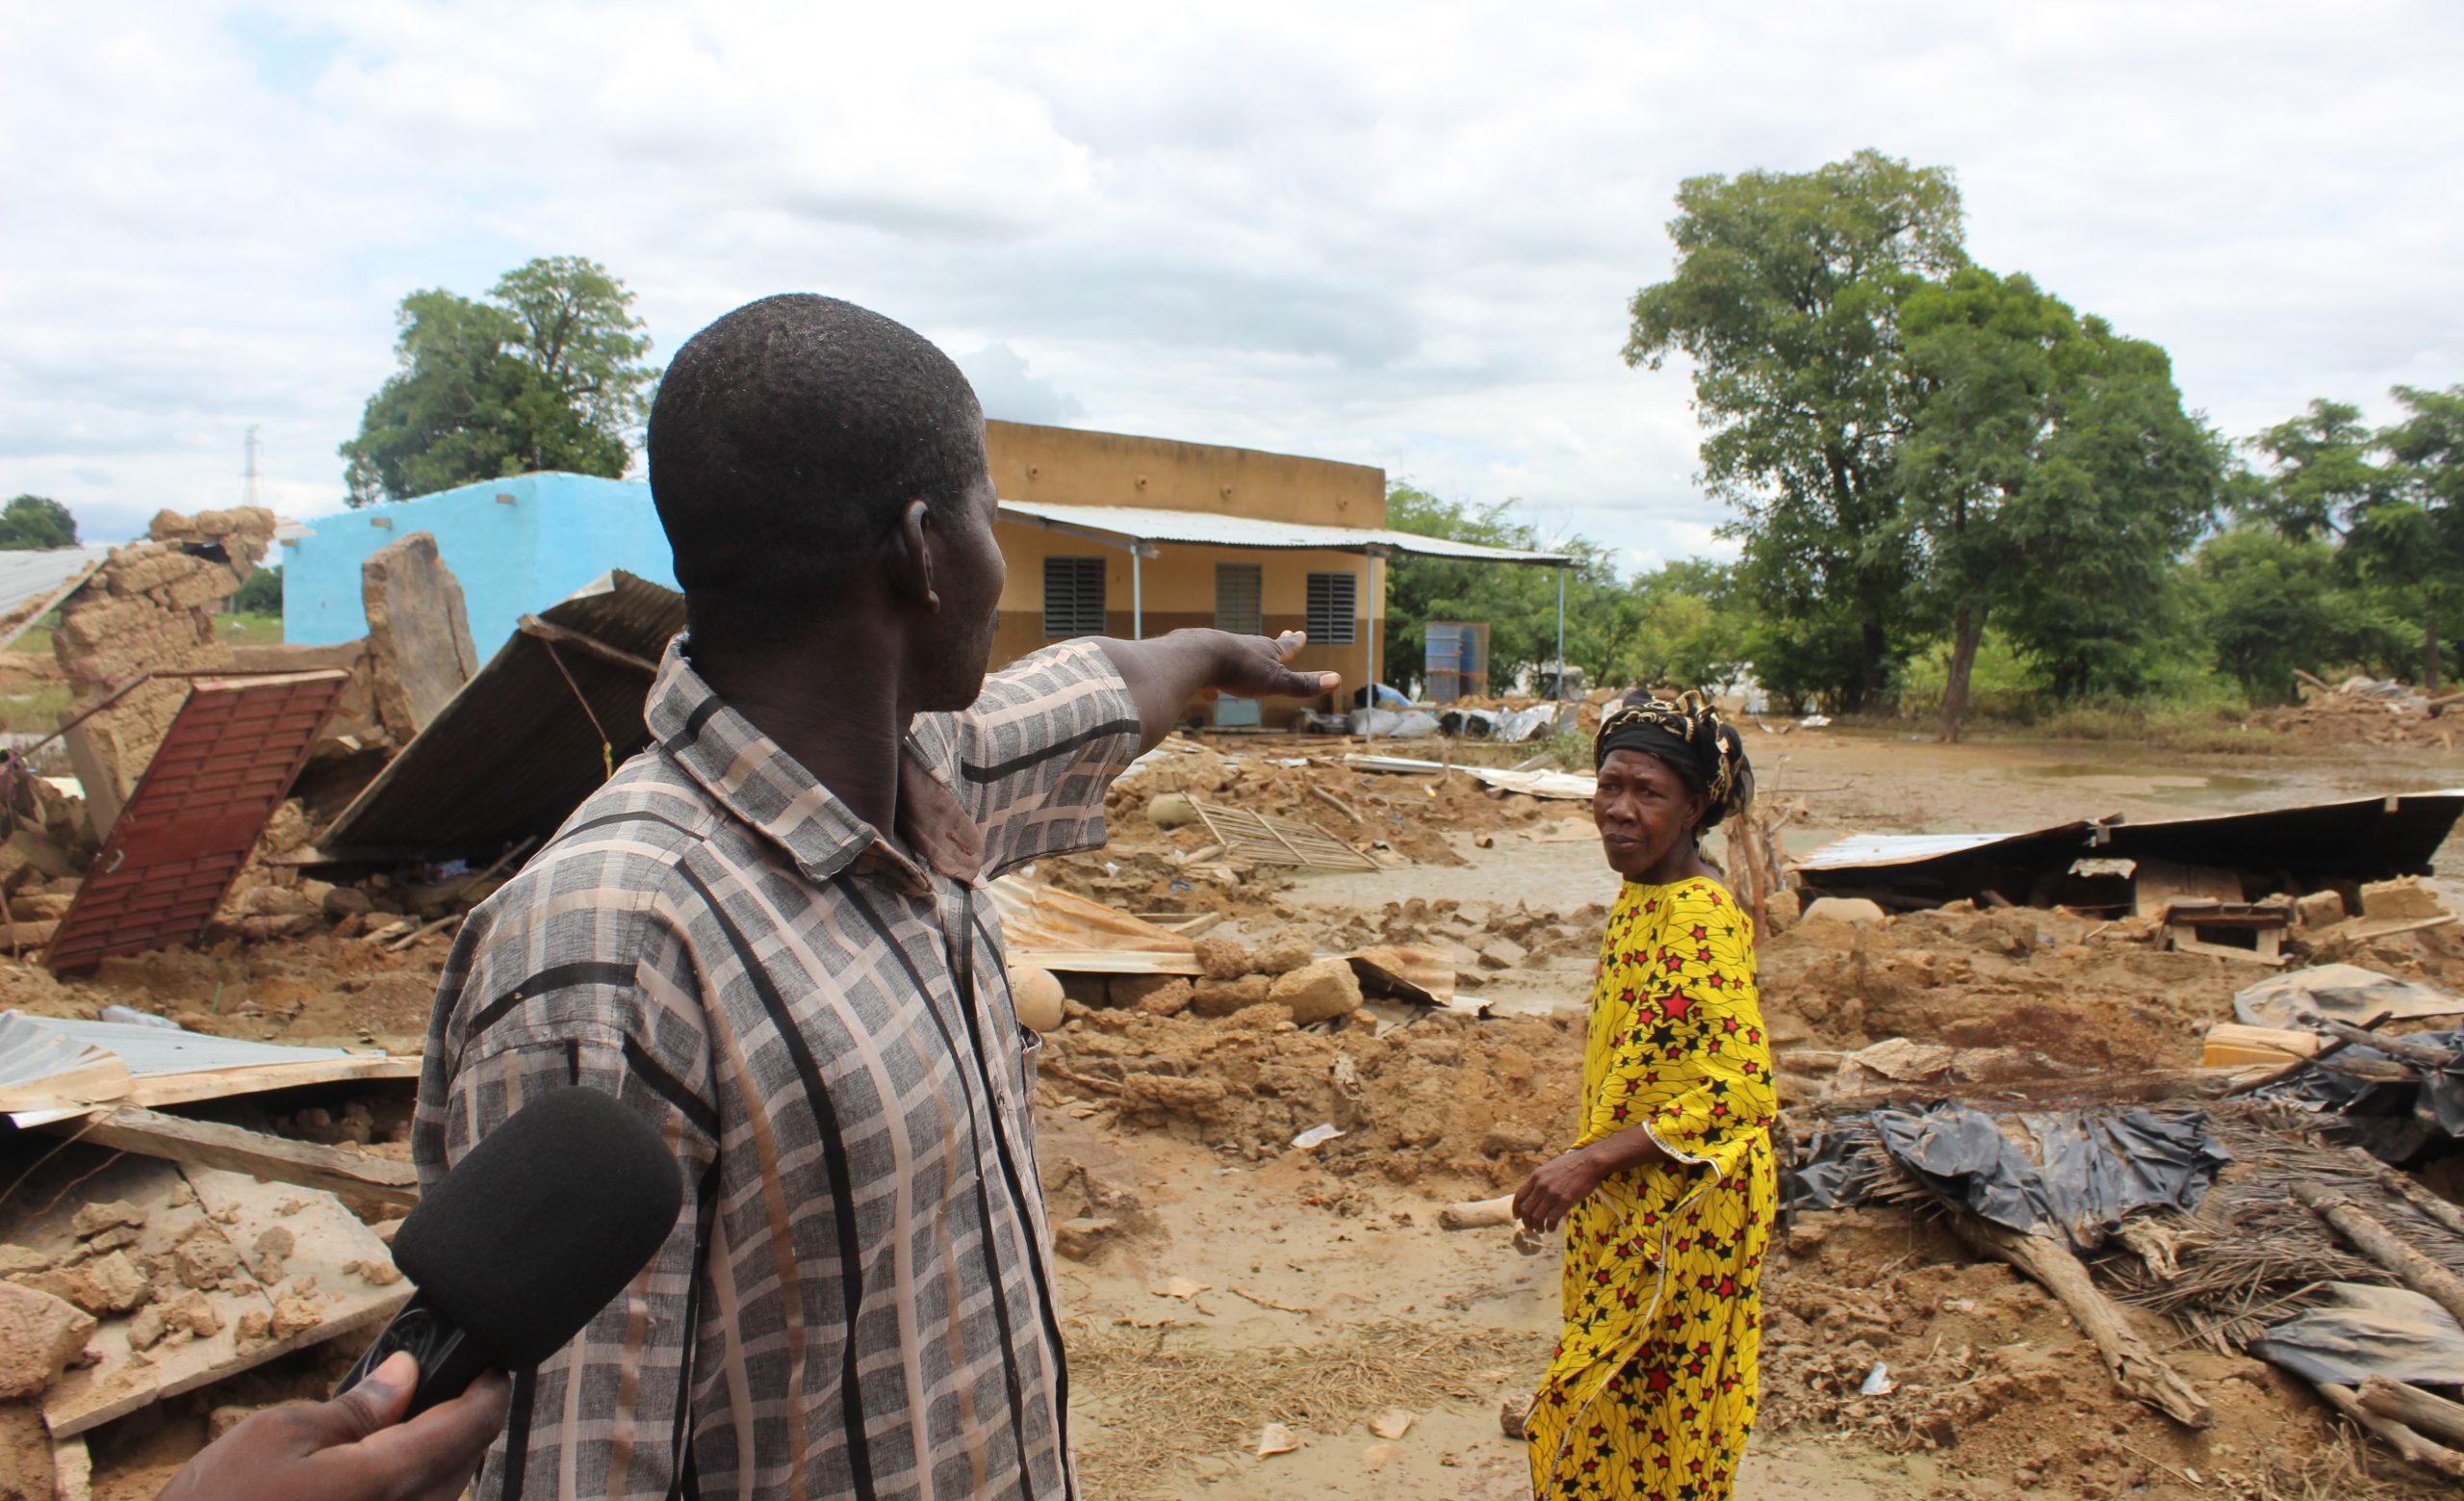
point(1067, 466)
point(1178, 591)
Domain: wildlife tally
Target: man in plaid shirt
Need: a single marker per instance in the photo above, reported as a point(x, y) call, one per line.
point(768, 934)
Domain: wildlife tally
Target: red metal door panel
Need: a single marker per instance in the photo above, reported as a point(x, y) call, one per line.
point(220, 772)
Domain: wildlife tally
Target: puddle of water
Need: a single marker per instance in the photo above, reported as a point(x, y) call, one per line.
point(2188, 787)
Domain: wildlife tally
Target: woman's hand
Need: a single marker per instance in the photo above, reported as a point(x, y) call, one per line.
point(1555, 1186)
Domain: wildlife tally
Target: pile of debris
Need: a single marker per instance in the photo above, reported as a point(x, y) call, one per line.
point(147, 1254)
point(2371, 711)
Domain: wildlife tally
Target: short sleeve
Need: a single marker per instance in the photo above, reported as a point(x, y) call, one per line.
point(1032, 758)
point(1693, 1067)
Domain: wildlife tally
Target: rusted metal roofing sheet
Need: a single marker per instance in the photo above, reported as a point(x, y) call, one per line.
point(517, 749)
point(231, 754)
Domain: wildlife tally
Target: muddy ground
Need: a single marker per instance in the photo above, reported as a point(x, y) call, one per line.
point(1220, 1279)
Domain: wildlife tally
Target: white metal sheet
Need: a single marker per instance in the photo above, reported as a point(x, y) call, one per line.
point(1141, 524)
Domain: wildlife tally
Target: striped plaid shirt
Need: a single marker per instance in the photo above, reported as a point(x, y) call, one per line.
point(857, 1300)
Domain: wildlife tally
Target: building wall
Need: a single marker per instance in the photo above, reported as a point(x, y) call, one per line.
point(1068, 466)
point(556, 533)
point(561, 531)
point(1179, 591)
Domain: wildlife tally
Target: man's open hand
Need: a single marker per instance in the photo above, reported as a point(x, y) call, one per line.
point(1164, 674)
point(1253, 666)
point(353, 1448)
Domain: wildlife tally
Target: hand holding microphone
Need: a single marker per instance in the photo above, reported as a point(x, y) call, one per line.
point(533, 1231)
point(353, 1448)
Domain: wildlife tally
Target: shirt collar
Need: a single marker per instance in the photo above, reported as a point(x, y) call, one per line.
point(764, 787)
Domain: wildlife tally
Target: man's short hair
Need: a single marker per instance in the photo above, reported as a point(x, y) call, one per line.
point(788, 436)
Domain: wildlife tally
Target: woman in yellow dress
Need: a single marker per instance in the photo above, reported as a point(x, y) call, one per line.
point(1668, 1193)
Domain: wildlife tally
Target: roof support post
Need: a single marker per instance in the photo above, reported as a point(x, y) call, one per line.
point(1561, 635)
point(1370, 697)
point(1137, 597)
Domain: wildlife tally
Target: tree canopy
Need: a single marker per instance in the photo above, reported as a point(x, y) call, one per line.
point(29, 523)
point(2051, 476)
point(1786, 297)
point(543, 373)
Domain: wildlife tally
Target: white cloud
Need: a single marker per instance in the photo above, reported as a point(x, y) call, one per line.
point(1401, 235)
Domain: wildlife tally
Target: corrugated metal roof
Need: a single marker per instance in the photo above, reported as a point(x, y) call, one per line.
point(1858, 850)
point(28, 576)
point(1211, 528)
point(514, 752)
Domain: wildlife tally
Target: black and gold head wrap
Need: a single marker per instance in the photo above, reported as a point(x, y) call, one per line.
point(1688, 735)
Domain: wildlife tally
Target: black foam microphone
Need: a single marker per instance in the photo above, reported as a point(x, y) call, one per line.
point(526, 1240)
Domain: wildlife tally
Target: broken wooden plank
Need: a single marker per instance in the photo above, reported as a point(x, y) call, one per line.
point(288, 1283)
point(235, 1149)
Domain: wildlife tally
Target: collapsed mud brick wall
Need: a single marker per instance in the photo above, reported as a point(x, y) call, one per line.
point(149, 608)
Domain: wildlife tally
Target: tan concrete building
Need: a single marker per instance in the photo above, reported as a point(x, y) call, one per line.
point(1128, 537)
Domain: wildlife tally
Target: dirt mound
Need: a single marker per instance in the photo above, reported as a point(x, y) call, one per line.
point(1882, 1326)
point(1445, 1099)
point(1292, 777)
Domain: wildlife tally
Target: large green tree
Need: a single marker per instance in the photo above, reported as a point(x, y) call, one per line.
point(545, 373)
point(2412, 535)
point(2274, 604)
point(2052, 480)
point(2320, 470)
point(30, 522)
point(1786, 297)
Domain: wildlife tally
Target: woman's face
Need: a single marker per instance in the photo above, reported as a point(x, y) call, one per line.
point(1644, 811)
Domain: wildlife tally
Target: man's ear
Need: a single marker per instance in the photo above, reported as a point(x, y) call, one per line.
point(910, 555)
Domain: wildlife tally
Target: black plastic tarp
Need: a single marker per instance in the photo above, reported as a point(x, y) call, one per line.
point(2393, 1119)
point(2364, 1332)
point(2091, 1169)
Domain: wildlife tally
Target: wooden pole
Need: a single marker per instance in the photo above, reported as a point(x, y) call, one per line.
point(2414, 1408)
point(2136, 1368)
point(2412, 1050)
point(2437, 1458)
point(2402, 1184)
point(2385, 1247)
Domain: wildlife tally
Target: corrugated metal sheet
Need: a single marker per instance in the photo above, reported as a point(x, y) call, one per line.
point(1895, 849)
point(514, 752)
point(158, 1052)
point(228, 759)
point(2363, 839)
point(1211, 528)
point(2367, 839)
point(32, 582)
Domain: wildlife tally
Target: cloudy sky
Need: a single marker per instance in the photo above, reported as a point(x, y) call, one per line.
point(1400, 234)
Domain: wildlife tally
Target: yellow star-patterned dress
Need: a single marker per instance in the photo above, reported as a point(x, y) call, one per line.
point(1652, 1389)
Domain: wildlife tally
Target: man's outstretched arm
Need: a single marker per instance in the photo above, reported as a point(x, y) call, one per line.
point(1165, 673)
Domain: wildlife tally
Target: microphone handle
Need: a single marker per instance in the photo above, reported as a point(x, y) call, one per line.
point(450, 1359)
